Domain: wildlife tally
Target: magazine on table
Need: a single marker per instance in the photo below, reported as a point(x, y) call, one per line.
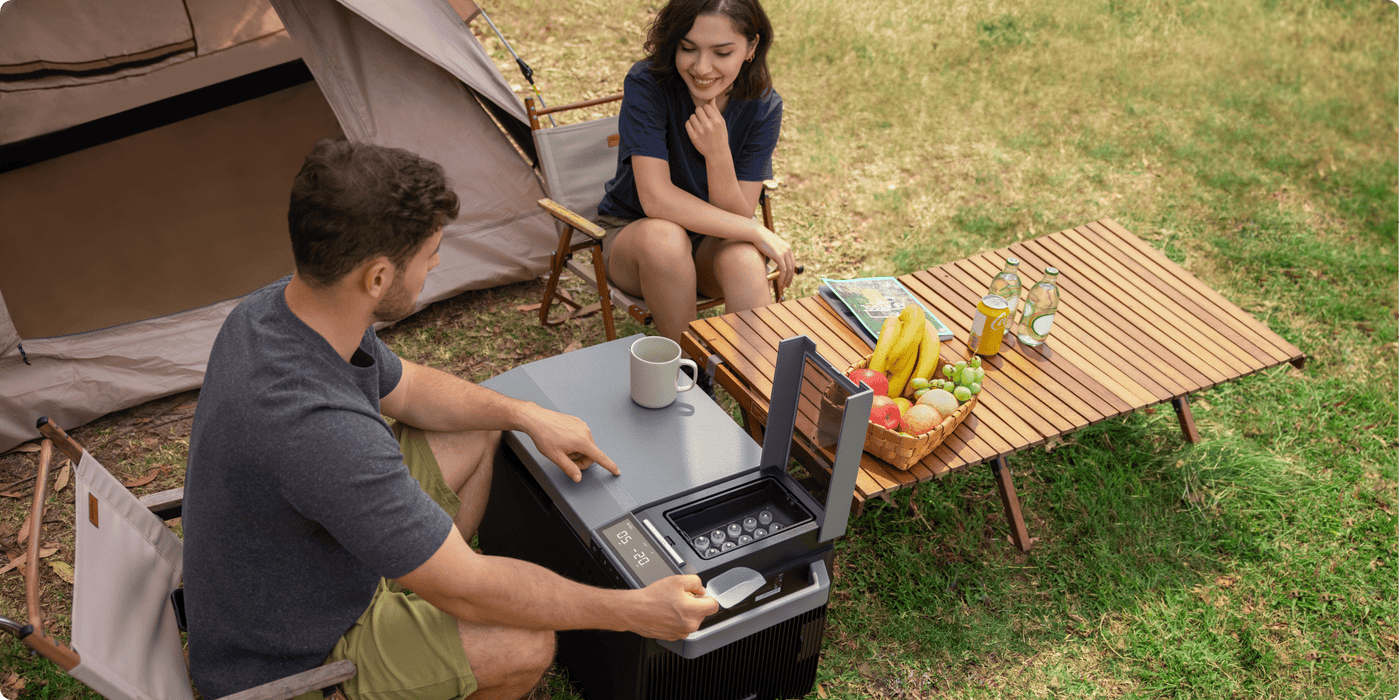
point(865, 303)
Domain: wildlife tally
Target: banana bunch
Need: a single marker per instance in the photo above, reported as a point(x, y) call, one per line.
point(907, 350)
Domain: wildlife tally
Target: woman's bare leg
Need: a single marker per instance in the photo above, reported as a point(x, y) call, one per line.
point(651, 259)
point(734, 270)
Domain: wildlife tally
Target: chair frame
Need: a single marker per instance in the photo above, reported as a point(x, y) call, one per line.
point(591, 237)
point(166, 505)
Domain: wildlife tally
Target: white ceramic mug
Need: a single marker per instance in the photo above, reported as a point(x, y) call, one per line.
point(656, 370)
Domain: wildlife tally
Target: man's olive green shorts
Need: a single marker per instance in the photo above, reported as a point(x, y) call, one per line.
point(403, 647)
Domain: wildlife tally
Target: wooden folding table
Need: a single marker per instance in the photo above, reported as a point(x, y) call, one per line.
point(1134, 329)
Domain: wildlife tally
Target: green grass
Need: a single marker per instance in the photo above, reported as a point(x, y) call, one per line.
point(1252, 142)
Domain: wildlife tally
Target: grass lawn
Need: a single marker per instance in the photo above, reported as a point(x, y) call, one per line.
point(1252, 142)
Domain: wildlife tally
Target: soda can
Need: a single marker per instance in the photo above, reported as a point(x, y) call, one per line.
point(988, 325)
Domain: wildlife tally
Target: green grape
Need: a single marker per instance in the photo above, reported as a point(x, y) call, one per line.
point(968, 376)
point(981, 373)
point(975, 388)
point(960, 366)
point(975, 362)
point(962, 394)
point(918, 383)
point(947, 370)
point(918, 393)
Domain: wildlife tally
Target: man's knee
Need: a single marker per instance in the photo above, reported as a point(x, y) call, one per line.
point(538, 655)
point(507, 657)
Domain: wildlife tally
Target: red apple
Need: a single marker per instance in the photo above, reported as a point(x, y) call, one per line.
point(884, 412)
point(875, 380)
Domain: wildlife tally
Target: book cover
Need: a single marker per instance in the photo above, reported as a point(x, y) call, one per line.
point(871, 300)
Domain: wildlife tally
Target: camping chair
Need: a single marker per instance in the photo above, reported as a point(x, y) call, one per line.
point(126, 627)
point(577, 160)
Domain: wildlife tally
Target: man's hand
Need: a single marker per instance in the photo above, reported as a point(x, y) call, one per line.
point(708, 132)
point(672, 608)
point(565, 440)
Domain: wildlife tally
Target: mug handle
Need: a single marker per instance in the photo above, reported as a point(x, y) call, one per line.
point(696, 375)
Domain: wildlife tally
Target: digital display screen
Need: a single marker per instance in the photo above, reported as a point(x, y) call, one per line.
point(636, 551)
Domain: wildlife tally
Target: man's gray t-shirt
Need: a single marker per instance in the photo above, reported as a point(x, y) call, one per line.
point(297, 500)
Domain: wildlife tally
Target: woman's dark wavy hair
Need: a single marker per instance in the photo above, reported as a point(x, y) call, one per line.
point(674, 21)
point(353, 202)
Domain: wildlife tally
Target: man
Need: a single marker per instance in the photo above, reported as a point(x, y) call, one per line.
point(314, 531)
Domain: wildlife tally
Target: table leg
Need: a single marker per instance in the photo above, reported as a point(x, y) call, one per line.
point(1182, 404)
point(1002, 471)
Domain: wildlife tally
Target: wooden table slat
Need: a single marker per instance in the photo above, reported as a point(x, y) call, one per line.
point(1166, 306)
point(1087, 299)
point(1057, 372)
point(1210, 329)
point(1080, 303)
point(1084, 321)
point(1135, 386)
point(1262, 334)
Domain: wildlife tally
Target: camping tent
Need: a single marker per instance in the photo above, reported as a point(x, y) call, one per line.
point(147, 150)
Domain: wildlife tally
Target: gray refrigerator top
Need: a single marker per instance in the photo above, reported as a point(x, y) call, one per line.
point(660, 452)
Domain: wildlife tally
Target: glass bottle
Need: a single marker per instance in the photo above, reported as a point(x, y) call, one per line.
point(1007, 285)
point(1039, 312)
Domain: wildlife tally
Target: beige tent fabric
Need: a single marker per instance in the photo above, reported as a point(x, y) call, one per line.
point(126, 565)
point(8, 337)
point(77, 35)
point(34, 108)
point(189, 214)
point(74, 379)
point(379, 90)
point(383, 92)
point(222, 24)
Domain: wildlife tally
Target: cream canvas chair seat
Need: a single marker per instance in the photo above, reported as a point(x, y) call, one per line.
point(577, 160)
point(126, 641)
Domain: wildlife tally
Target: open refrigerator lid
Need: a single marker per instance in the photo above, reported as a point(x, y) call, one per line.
point(817, 404)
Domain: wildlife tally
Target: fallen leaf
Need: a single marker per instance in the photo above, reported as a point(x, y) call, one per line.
point(13, 684)
point(148, 478)
point(15, 562)
point(26, 447)
point(46, 552)
point(24, 530)
point(187, 405)
point(12, 494)
point(821, 691)
point(63, 474)
point(63, 569)
point(1226, 581)
point(573, 346)
point(1313, 655)
point(527, 308)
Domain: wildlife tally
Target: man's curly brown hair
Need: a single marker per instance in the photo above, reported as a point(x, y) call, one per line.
point(353, 202)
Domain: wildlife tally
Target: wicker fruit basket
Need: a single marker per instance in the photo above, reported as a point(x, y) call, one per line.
point(904, 451)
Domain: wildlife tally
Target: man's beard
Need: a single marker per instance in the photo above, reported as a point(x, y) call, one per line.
point(397, 304)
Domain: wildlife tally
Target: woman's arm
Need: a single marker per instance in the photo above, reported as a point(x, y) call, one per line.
point(663, 200)
point(710, 136)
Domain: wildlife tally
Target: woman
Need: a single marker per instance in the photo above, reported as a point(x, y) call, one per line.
point(698, 126)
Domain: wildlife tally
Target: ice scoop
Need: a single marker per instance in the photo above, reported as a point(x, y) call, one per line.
point(734, 586)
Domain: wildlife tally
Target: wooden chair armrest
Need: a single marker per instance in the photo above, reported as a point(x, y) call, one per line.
point(773, 273)
point(165, 504)
point(571, 218)
point(304, 682)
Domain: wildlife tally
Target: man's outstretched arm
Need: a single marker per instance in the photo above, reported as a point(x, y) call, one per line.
point(512, 593)
point(430, 399)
